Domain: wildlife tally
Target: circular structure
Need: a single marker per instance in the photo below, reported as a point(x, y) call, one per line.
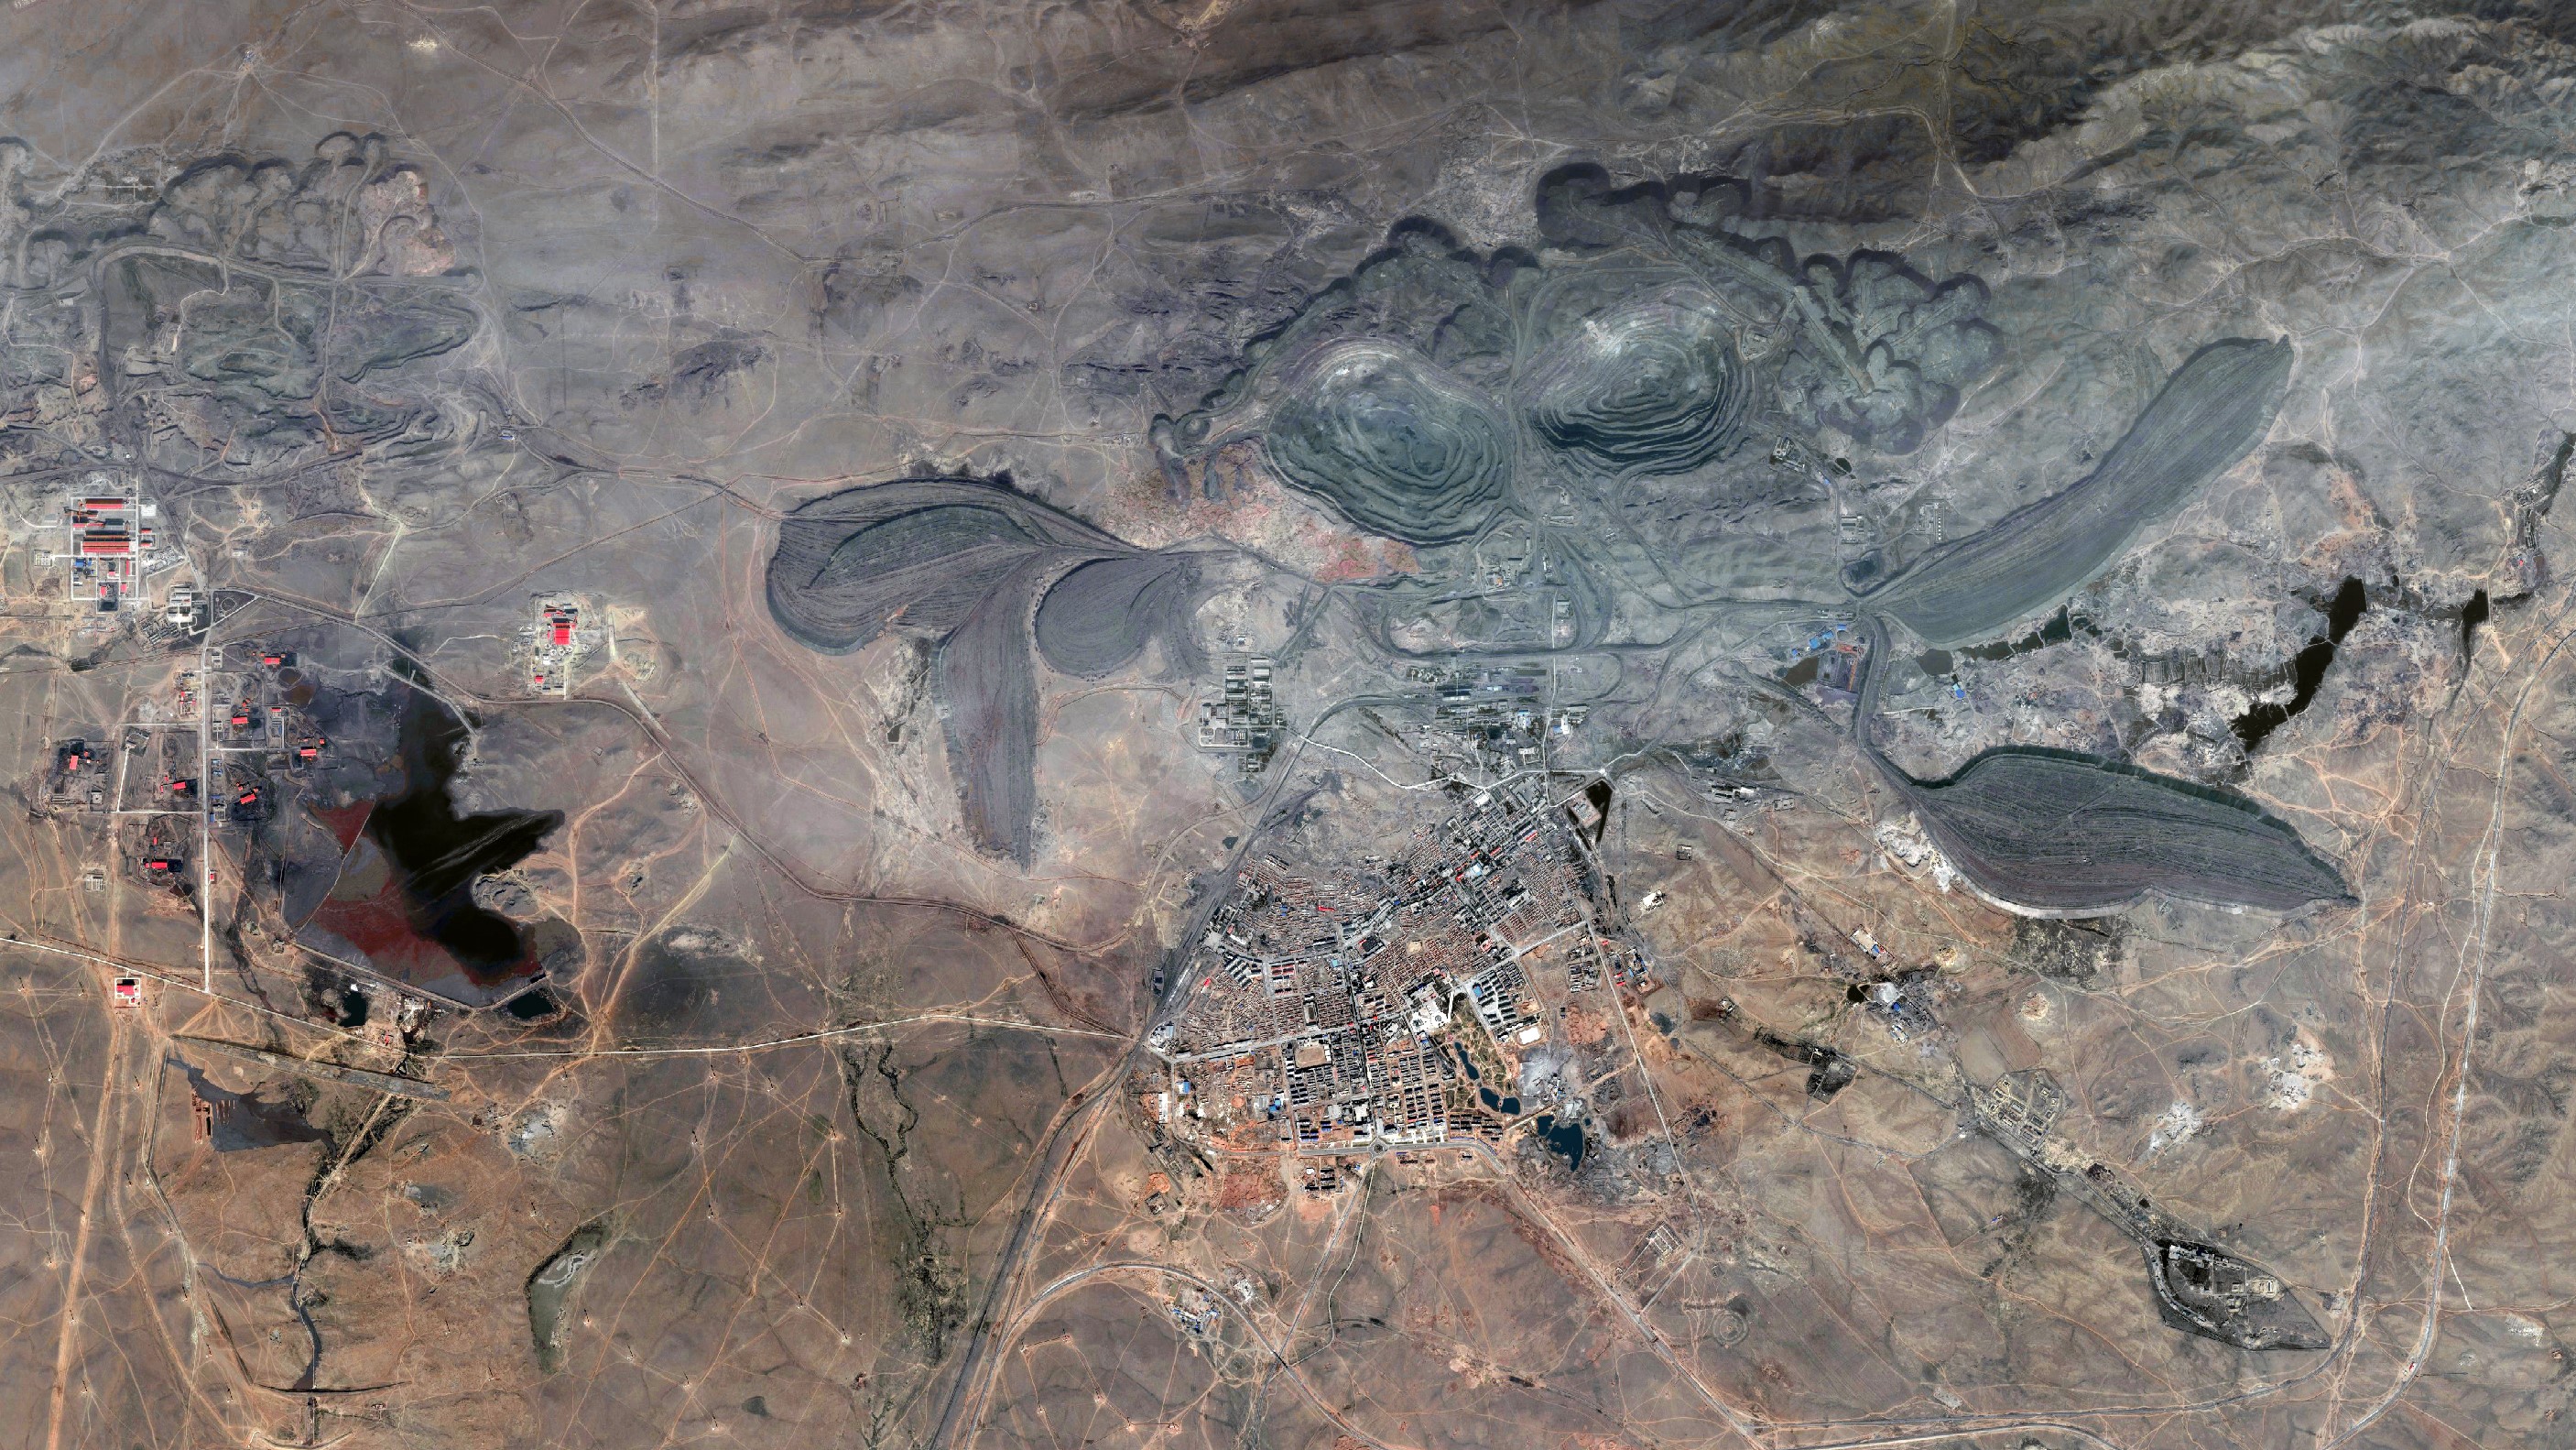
point(1397, 445)
point(1654, 387)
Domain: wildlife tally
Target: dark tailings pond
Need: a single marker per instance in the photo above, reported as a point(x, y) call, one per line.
point(2309, 670)
point(261, 1118)
point(403, 899)
point(437, 854)
point(1564, 1140)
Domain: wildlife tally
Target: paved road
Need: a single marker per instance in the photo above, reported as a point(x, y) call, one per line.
point(965, 1395)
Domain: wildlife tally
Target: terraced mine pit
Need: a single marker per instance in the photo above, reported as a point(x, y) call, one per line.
point(1436, 390)
point(1653, 387)
point(1393, 443)
point(1305, 723)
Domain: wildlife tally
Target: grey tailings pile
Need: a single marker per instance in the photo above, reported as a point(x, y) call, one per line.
point(2067, 835)
point(2215, 409)
point(2054, 833)
point(1099, 617)
point(960, 561)
point(2060, 834)
point(927, 568)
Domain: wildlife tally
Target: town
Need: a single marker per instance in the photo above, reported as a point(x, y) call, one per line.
point(1409, 1005)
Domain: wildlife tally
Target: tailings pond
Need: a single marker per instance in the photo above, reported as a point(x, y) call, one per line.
point(403, 901)
point(2308, 671)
